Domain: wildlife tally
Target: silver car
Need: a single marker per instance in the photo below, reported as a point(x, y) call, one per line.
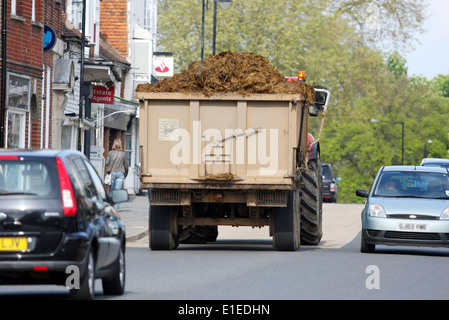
point(435, 162)
point(407, 205)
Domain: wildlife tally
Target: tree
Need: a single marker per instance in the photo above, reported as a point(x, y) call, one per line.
point(390, 23)
point(338, 44)
point(397, 64)
point(283, 31)
point(441, 85)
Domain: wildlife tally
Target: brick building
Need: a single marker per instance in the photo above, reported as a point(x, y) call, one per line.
point(33, 44)
point(21, 94)
point(42, 70)
point(41, 96)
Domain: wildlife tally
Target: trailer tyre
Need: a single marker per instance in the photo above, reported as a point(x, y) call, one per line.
point(163, 228)
point(287, 224)
point(312, 203)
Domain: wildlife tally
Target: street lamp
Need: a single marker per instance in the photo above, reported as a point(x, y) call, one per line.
point(128, 112)
point(205, 6)
point(426, 153)
point(403, 132)
point(224, 5)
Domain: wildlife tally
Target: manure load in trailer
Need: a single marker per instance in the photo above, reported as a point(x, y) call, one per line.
point(226, 143)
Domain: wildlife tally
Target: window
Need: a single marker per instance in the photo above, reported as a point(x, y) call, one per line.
point(13, 7)
point(413, 184)
point(33, 10)
point(18, 99)
point(97, 181)
point(327, 172)
point(15, 130)
point(75, 12)
point(89, 187)
point(150, 16)
point(69, 137)
point(76, 179)
point(30, 177)
point(128, 146)
point(18, 92)
point(78, 189)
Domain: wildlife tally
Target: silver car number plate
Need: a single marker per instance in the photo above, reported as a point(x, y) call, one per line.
point(408, 226)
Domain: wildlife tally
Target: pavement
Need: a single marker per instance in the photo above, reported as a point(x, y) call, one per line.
point(134, 215)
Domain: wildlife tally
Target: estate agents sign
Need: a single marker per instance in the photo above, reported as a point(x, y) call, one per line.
point(103, 95)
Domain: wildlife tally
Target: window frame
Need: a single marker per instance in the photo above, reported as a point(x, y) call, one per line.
point(26, 82)
point(22, 128)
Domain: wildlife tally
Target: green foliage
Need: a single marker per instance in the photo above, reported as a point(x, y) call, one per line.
point(397, 64)
point(331, 42)
point(441, 85)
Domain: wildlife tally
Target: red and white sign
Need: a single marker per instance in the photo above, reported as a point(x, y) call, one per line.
point(163, 66)
point(103, 95)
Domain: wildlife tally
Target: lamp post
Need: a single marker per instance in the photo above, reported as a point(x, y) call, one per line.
point(81, 93)
point(224, 4)
point(426, 153)
point(403, 132)
point(205, 6)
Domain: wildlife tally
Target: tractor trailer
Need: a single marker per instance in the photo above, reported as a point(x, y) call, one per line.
point(231, 159)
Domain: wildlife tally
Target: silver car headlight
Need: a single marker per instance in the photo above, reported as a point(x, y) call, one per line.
point(377, 211)
point(445, 214)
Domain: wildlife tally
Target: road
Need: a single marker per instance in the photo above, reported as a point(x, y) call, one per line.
point(242, 265)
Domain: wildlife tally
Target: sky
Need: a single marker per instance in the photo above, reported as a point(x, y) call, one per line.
point(431, 57)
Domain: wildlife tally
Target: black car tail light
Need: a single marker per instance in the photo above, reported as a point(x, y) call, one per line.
point(40, 268)
point(68, 198)
point(9, 158)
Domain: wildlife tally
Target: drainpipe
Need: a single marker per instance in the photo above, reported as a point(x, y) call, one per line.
point(3, 102)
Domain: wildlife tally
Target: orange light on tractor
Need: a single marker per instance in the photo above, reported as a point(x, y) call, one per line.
point(301, 76)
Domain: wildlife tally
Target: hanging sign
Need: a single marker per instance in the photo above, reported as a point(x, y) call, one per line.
point(49, 38)
point(103, 95)
point(163, 66)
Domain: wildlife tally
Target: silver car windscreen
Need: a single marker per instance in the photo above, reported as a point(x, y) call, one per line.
point(412, 184)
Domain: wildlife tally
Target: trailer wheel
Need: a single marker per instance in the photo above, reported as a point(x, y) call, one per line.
point(287, 224)
point(163, 228)
point(312, 203)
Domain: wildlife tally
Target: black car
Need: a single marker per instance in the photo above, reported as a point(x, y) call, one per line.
point(330, 189)
point(58, 224)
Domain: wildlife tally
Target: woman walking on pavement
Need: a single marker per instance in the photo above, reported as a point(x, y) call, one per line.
point(118, 166)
